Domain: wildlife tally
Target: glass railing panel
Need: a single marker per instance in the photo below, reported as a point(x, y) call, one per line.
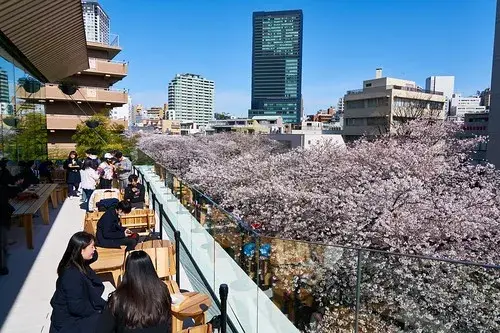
point(422, 295)
point(235, 265)
point(305, 281)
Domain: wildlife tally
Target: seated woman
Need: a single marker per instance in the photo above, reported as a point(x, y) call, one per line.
point(141, 303)
point(134, 192)
point(77, 302)
point(110, 233)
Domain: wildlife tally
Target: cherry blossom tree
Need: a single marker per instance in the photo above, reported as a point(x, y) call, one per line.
point(412, 192)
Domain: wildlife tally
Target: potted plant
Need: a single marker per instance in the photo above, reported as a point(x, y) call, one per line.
point(68, 87)
point(29, 84)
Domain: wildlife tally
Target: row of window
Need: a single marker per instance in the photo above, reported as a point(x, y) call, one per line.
point(372, 121)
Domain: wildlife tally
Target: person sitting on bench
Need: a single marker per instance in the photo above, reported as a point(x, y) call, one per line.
point(110, 233)
point(134, 192)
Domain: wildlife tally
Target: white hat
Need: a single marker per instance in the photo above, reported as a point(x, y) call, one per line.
point(108, 155)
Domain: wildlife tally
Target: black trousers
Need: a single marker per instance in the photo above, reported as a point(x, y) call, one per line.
point(130, 243)
point(105, 183)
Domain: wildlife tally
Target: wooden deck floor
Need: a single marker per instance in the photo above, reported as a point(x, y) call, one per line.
point(27, 290)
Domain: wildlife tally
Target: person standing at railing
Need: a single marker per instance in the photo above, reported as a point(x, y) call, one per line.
point(72, 167)
point(106, 170)
point(123, 170)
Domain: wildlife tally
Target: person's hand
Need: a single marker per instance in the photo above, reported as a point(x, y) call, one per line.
point(134, 189)
point(128, 233)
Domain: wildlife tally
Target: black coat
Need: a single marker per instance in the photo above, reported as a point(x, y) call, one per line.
point(109, 230)
point(109, 324)
point(72, 174)
point(77, 302)
point(137, 196)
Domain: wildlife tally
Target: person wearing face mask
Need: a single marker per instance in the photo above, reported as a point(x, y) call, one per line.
point(106, 170)
point(77, 301)
point(110, 233)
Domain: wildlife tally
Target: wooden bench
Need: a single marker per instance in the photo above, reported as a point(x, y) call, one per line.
point(26, 208)
point(109, 261)
point(137, 219)
point(59, 177)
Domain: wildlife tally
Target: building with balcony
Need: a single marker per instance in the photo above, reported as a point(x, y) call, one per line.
point(156, 112)
point(94, 94)
point(385, 102)
point(277, 65)
point(191, 98)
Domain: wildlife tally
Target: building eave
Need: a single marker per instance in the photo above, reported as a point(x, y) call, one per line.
point(46, 37)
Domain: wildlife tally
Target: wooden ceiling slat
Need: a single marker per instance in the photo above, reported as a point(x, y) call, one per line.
point(49, 33)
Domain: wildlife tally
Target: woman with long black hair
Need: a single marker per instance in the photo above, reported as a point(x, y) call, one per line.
point(141, 303)
point(77, 301)
point(72, 167)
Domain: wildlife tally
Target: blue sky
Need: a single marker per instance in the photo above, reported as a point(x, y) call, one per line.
point(344, 41)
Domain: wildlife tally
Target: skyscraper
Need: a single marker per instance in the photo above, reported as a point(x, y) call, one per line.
point(444, 84)
point(96, 22)
point(277, 65)
point(191, 97)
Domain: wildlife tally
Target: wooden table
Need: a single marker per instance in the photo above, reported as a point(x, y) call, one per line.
point(194, 306)
point(109, 261)
point(26, 208)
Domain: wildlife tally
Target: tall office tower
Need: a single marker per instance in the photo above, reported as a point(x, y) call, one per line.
point(96, 22)
point(493, 150)
point(444, 84)
point(191, 97)
point(4, 86)
point(277, 65)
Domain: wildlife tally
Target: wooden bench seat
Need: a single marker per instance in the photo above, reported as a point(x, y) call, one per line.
point(141, 220)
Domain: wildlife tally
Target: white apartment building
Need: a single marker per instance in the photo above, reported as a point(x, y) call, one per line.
point(122, 112)
point(444, 84)
point(191, 98)
point(384, 102)
point(459, 106)
point(96, 22)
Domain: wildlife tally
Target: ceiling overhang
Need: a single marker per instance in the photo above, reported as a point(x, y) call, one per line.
point(46, 37)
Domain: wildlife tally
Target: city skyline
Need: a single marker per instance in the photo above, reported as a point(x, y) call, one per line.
point(340, 49)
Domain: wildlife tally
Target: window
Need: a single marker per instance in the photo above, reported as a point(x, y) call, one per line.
point(368, 85)
point(355, 121)
point(375, 121)
point(360, 104)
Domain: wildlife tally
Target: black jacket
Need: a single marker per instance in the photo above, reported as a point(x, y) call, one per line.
point(109, 230)
point(137, 196)
point(109, 324)
point(77, 301)
point(72, 174)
